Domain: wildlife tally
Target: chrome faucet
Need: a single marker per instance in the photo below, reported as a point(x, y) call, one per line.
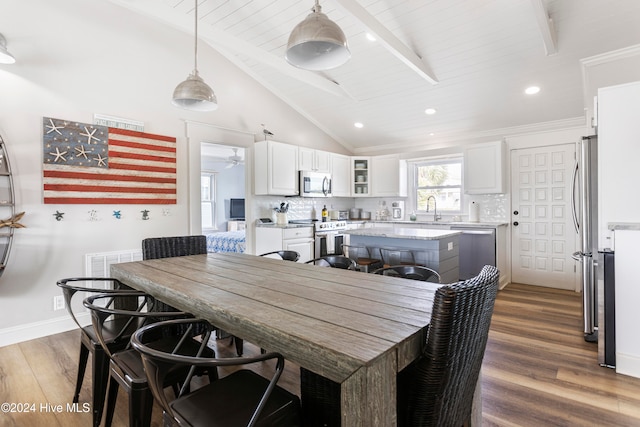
point(435, 207)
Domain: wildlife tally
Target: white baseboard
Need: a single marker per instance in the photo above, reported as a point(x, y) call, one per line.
point(628, 364)
point(35, 330)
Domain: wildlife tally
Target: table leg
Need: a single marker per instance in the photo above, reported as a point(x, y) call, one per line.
point(368, 397)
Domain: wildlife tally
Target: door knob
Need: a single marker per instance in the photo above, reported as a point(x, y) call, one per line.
point(515, 212)
point(515, 223)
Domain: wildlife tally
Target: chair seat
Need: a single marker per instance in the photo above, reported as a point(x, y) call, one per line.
point(230, 401)
point(112, 328)
point(367, 261)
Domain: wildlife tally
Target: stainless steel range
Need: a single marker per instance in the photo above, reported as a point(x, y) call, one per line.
point(329, 237)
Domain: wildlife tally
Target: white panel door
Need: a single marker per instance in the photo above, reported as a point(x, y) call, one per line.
point(543, 236)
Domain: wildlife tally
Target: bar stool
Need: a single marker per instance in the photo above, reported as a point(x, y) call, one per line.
point(365, 258)
point(396, 256)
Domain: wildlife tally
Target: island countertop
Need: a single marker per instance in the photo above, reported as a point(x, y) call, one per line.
point(404, 233)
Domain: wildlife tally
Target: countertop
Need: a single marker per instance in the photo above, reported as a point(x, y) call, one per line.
point(633, 226)
point(391, 224)
point(289, 225)
point(405, 233)
point(448, 223)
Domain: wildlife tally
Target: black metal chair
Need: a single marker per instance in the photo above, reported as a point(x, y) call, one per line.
point(165, 247)
point(335, 261)
point(397, 256)
point(242, 398)
point(125, 365)
point(414, 272)
point(285, 255)
point(367, 259)
point(437, 389)
point(89, 343)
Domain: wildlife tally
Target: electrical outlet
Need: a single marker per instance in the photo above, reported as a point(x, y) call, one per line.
point(450, 246)
point(58, 303)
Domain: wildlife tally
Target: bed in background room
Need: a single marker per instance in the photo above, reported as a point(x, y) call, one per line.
point(226, 241)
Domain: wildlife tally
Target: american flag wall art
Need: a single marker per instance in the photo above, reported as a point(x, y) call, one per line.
point(93, 164)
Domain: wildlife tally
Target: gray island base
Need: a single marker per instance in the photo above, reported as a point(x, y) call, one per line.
point(436, 249)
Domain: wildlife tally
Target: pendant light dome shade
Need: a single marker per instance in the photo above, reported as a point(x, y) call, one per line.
point(317, 43)
point(193, 93)
point(5, 56)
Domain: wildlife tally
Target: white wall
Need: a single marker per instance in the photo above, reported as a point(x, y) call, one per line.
point(76, 58)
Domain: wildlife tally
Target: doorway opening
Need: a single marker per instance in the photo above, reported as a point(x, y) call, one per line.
point(222, 187)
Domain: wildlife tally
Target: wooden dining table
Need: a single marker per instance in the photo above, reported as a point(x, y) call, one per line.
point(353, 328)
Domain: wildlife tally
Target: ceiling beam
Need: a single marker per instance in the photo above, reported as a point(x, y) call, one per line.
point(547, 29)
point(230, 45)
point(389, 40)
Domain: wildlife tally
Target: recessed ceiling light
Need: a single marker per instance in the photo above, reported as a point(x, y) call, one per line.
point(532, 90)
point(430, 111)
point(431, 134)
point(358, 125)
point(371, 37)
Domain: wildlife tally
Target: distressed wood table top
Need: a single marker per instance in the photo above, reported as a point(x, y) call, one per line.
point(355, 328)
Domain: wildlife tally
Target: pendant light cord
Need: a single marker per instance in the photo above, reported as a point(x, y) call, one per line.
point(195, 53)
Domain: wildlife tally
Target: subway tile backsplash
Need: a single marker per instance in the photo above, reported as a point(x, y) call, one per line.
point(299, 207)
point(493, 207)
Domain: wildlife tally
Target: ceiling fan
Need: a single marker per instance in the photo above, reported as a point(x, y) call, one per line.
point(234, 160)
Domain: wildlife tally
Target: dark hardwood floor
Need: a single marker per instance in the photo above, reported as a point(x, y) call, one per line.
point(538, 371)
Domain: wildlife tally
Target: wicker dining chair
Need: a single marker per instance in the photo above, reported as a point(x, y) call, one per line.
point(438, 388)
point(241, 398)
point(72, 288)
point(165, 247)
point(125, 366)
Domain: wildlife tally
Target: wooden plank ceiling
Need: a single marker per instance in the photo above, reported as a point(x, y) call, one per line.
point(469, 59)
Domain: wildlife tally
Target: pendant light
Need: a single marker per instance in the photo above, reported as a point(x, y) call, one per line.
point(193, 93)
point(5, 56)
point(317, 43)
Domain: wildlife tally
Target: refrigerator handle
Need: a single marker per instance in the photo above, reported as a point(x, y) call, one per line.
point(573, 199)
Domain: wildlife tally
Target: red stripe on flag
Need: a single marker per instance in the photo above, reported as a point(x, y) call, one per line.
point(108, 189)
point(141, 134)
point(141, 168)
point(128, 144)
point(121, 155)
point(104, 201)
point(125, 178)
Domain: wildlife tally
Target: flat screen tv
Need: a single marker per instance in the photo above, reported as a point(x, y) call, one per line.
point(236, 209)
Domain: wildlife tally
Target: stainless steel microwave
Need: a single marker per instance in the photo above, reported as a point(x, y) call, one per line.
point(315, 184)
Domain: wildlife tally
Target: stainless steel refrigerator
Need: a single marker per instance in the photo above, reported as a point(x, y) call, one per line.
point(585, 216)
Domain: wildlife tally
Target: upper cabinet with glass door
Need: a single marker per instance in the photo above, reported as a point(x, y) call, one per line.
point(360, 176)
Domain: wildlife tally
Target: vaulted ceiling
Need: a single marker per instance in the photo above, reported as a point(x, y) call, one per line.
point(469, 59)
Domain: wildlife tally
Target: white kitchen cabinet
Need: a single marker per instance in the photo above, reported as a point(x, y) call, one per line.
point(275, 168)
point(484, 166)
point(388, 176)
point(314, 160)
point(360, 175)
point(340, 175)
point(273, 238)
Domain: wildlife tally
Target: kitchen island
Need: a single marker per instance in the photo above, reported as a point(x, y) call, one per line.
point(436, 249)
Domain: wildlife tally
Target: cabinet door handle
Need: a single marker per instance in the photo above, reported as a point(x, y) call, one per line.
point(515, 223)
